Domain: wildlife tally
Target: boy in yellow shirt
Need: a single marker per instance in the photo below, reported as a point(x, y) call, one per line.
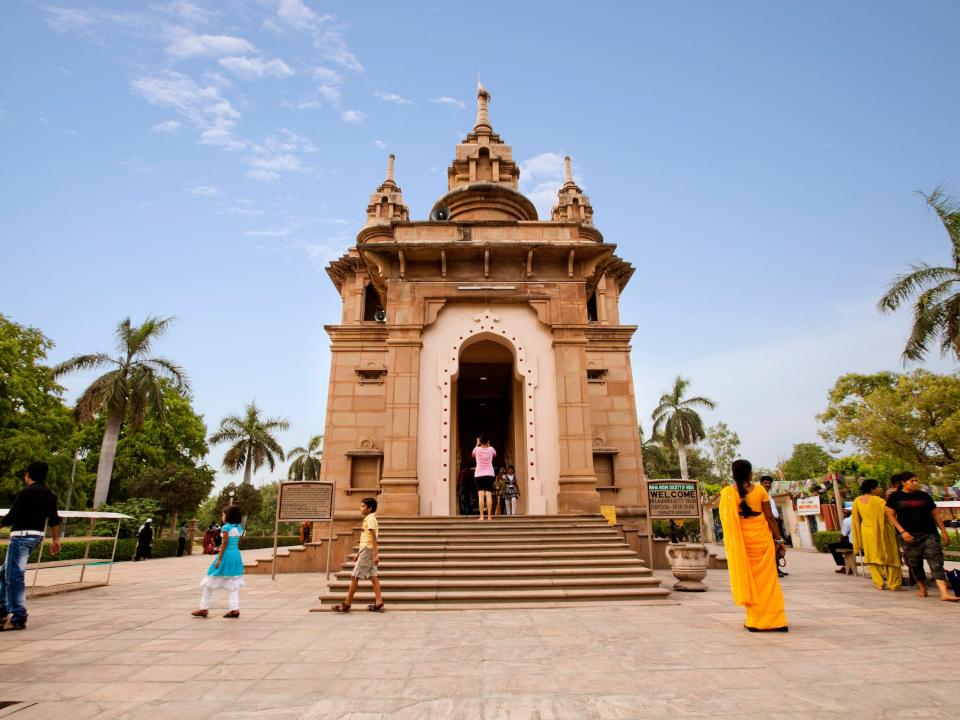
point(367, 559)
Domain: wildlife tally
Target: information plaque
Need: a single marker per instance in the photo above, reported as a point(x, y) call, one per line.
point(308, 500)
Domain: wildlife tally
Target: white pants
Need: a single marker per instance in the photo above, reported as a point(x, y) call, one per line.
point(207, 592)
point(511, 503)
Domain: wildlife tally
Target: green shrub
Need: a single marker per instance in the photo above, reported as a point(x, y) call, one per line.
point(253, 542)
point(824, 537)
point(687, 530)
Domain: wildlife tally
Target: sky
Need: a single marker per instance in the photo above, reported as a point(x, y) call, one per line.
point(757, 162)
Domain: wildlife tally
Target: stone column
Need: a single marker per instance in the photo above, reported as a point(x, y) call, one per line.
point(578, 482)
point(399, 495)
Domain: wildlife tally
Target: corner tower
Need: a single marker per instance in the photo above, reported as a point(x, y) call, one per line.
point(489, 320)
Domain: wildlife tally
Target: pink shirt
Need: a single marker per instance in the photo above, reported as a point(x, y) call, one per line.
point(484, 456)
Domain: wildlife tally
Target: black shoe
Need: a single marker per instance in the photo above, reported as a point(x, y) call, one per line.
point(781, 574)
point(14, 624)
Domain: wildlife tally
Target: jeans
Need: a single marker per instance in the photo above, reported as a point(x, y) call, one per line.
point(13, 591)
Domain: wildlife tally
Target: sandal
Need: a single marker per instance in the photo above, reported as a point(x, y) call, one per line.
point(375, 608)
point(341, 608)
point(232, 614)
point(200, 613)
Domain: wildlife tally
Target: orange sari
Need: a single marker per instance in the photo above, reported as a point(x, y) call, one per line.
point(751, 559)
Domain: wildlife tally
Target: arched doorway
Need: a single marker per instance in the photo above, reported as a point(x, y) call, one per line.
point(488, 398)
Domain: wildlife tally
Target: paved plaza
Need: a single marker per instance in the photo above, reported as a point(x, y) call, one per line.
point(132, 651)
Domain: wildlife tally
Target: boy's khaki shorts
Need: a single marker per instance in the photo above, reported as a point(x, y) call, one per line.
point(364, 569)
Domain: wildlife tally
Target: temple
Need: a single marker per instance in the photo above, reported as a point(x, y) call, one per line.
point(482, 318)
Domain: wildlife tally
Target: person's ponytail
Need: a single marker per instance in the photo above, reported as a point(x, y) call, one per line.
point(742, 471)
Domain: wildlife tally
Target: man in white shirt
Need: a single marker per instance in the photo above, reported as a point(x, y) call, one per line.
point(845, 542)
point(767, 483)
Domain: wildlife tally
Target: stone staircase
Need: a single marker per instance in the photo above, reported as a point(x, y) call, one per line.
point(525, 561)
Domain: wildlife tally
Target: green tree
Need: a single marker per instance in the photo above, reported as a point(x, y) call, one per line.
point(179, 439)
point(910, 420)
point(723, 446)
point(129, 392)
point(936, 307)
point(677, 421)
point(34, 422)
point(245, 495)
point(306, 461)
point(808, 461)
point(178, 488)
point(252, 441)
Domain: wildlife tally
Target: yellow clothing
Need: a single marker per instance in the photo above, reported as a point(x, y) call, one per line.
point(751, 559)
point(371, 530)
point(875, 537)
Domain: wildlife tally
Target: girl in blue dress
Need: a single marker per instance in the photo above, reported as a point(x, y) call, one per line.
point(227, 570)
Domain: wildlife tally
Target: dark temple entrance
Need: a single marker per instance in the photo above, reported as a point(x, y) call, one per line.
point(485, 391)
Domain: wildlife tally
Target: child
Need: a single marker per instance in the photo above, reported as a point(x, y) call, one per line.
point(367, 559)
point(227, 570)
point(511, 490)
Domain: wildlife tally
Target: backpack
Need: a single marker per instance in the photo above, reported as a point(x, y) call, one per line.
point(953, 577)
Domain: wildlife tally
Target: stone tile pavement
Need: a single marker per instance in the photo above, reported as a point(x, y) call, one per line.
point(131, 651)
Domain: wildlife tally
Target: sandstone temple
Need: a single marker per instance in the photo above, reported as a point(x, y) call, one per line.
point(482, 318)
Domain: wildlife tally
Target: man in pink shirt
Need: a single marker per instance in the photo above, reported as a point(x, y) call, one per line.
point(484, 473)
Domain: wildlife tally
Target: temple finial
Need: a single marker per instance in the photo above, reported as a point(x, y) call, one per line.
point(390, 160)
point(483, 115)
point(567, 172)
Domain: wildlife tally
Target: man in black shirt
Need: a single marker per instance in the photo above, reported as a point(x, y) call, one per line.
point(915, 516)
point(33, 509)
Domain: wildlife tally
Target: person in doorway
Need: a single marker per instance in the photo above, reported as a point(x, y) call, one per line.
point(181, 540)
point(874, 536)
point(499, 486)
point(511, 490)
point(915, 516)
point(844, 543)
point(753, 543)
point(144, 541)
point(368, 558)
point(767, 483)
point(484, 474)
point(33, 509)
point(226, 571)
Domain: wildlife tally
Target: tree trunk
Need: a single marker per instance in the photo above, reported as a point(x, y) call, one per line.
point(108, 451)
point(682, 452)
point(248, 467)
point(173, 527)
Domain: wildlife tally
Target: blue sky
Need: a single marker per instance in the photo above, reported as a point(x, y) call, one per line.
point(756, 161)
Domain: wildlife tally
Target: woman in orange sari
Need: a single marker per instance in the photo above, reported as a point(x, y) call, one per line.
point(753, 544)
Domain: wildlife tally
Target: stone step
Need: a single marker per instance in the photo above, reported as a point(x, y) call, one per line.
point(532, 597)
point(525, 553)
point(340, 585)
point(454, 563)
point(499, 537)
point(645, 601)
point(518, 519)
point(495, 573)
point(500, 548)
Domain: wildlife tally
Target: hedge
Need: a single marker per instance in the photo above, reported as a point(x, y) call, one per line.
point(823, 538)
point(126, 547)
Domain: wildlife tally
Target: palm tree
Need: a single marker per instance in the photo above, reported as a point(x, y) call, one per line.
point(253, 443)
point(306, 461)
point(676, 419)
point(131, 391)
point(936, 310)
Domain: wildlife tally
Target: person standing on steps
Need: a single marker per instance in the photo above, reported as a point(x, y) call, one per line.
point(484, 474)
point(915, 516)
point(368, 557)
point(511, 490)
point(33, 509)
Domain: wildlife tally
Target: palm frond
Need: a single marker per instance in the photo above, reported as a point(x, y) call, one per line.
point(947, 208)
point(905, 286)
point(82, 362)
point(93, 400)
point(699, 401)
point(170, 371)
point(235, 458)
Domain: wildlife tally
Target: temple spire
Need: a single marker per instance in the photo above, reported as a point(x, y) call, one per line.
point(386, 203)
point(568, 173)
point(483, 115)
point(390, 179)
point(572, 204)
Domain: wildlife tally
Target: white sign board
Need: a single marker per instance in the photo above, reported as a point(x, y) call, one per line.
point(808, 505)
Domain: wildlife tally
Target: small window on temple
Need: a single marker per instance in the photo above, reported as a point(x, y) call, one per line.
point(596, 375)
point(592, 308)
point(372, 304)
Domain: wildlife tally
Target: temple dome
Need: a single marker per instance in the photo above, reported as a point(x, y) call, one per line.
point(483, 201)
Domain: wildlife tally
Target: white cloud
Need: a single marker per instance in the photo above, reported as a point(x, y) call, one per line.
point(184, 43)
point(203, 106)
point(304, 102)
point(330, 93)
point(270, 25)
point(297, 14)
point(204, 190)
point(327, 250)
point(188, 12)
point(380, 144)
point(391, 98)
point(88, 21)
point(168, 127)
point(449, 102)
point(353, 116)
point(69, 132)
point(275, 232)
point(335, 49)
point(256, 67)
point(326, 76)
point(540, 179)
point(222, 137)
point(278, 154)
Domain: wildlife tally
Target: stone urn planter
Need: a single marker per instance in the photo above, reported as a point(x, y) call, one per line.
point(688, 561)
